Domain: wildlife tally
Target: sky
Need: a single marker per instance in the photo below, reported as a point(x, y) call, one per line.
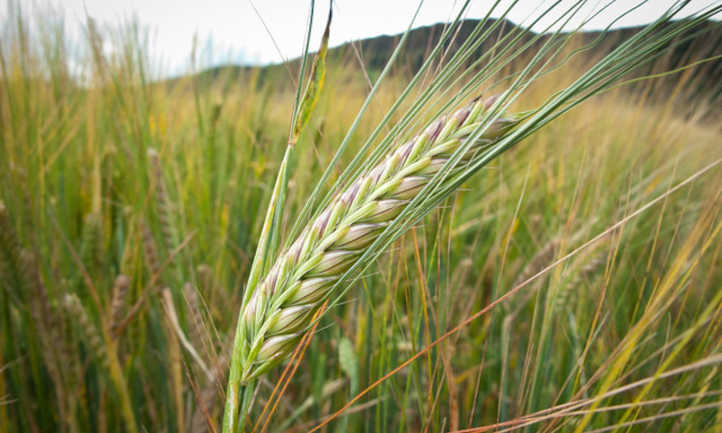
point(269, 31)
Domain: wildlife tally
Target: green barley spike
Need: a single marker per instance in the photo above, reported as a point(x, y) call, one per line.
point(283, 305)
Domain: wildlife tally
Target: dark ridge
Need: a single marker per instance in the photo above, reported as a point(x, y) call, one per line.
point(705, 41)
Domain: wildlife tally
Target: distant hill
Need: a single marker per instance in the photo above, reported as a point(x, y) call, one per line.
point(704, 42)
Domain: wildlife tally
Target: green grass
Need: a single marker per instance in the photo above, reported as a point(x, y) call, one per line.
point(84, 203)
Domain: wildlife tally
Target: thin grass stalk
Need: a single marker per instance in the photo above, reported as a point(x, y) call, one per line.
point(206, 400)
point(175, 359)
point(175, 328)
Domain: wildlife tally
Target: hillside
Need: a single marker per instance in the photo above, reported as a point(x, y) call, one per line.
point(706, 42)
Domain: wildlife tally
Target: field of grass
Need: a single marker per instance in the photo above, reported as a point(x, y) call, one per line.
point(167, 185)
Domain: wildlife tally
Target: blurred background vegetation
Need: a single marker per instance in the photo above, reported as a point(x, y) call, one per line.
point(130, 204)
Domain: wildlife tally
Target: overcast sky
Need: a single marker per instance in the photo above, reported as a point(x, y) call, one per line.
point(236, 33)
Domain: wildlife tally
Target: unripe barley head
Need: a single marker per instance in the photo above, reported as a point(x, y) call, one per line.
point(284, 303)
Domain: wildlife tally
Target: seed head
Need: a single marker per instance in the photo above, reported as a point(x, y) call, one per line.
point(285, 301)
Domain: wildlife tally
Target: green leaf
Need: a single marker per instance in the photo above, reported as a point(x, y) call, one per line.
point(315, 84)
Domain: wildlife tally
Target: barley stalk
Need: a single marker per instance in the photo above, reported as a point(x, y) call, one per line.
point(117, 306)
point(175, 357)
point(197, 332)
point(165, 207)
point(205, 278)
point(208, 395)
point(580, 276)
point(10, 267)
point(20, 267)
point(541, 260)
point(46, 321)
point(98, 341)
point(150, 249)
point(91, 238)
point(284, 303)
point(94, 339)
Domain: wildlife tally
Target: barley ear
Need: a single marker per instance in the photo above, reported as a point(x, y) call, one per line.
point(165, 208)
point(117, 305)
point(282, 307)
point(86, 325)
point(150, 250)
